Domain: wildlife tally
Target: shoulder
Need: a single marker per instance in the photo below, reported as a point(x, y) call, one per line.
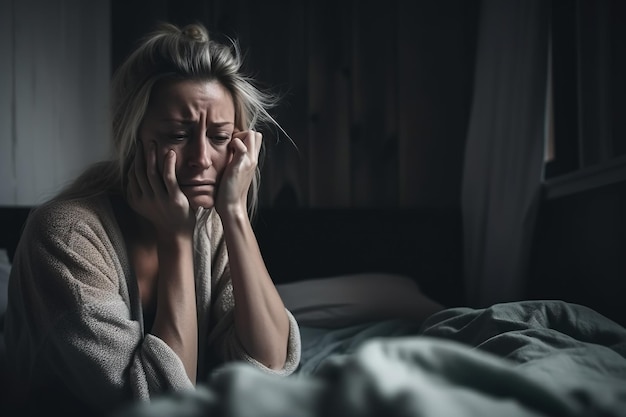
point(75, 241)
point(64, 216)
point(65, 224)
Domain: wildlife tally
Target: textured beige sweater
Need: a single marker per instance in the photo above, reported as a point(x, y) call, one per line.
point(74, 316)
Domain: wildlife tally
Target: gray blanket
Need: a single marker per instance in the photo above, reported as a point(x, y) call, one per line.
point(531, 358)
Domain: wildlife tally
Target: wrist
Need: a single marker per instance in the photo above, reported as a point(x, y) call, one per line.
point(174, 241)
point(233, 213)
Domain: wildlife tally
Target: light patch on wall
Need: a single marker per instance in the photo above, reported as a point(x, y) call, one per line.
point(54, 117)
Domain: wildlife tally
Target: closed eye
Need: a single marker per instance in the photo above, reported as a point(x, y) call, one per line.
point(178, 137)
point(219, 139)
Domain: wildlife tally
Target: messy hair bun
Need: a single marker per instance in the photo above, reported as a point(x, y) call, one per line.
point(195, 32)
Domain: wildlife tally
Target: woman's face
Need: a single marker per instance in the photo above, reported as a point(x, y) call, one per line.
point(196, 119)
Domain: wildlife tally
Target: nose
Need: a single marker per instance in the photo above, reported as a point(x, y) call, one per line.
point(199, 152)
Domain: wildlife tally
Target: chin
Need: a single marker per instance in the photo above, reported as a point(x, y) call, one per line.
point(205, 202)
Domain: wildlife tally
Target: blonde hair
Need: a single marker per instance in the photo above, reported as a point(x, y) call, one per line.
point(170, 52)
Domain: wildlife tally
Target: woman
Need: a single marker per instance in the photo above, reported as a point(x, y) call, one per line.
point(145, 273)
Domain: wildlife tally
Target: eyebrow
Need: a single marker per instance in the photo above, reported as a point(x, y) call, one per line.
point(189, 122)
point(221, 124)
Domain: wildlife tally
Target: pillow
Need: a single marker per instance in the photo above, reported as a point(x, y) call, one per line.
point(347, 300)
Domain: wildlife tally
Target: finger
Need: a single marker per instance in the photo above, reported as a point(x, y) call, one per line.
point(154, 178)
point(253, 142)
point(239, 145)
point(238, 149)
point(169, 173)
point(243, 136)
point(258, 142)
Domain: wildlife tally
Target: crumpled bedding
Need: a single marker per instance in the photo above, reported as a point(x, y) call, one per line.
point(529, 358)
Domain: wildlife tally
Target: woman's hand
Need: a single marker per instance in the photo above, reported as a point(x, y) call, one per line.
point(239, 172)
point(261, 322)
point(157, 197)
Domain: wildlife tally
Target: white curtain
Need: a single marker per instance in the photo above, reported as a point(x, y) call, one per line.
point(504, 151)
point(54, 94)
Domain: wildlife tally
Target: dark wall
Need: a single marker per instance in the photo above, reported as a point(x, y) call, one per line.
point(423, 244)
point(580, 250)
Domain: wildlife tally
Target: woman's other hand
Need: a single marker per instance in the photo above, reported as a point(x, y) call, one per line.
point(156, 196)
point(237, 177)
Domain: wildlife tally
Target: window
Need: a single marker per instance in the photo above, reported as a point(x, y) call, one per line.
point(587, 123)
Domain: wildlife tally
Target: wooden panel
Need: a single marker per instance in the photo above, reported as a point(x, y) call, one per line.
point(436, 47)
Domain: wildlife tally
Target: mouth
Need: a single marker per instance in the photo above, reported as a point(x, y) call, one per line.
point(192, 184)
point(200, 188)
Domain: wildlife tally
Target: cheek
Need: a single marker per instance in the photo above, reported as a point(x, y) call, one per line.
point(221, 160)
point(147, 144)
point(162, 152)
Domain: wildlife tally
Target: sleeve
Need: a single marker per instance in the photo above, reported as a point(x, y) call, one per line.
point(223, 336)
point(71, 321)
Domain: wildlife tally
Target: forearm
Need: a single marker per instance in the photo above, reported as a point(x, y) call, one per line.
point(261, 321)
point(176, 315)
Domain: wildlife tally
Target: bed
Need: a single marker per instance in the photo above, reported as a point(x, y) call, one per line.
point(531, 358)
point(394, 342)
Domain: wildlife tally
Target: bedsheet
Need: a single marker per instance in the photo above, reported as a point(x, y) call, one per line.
point(529, 358)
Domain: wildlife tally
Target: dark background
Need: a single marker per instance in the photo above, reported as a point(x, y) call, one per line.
point(377, 97)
